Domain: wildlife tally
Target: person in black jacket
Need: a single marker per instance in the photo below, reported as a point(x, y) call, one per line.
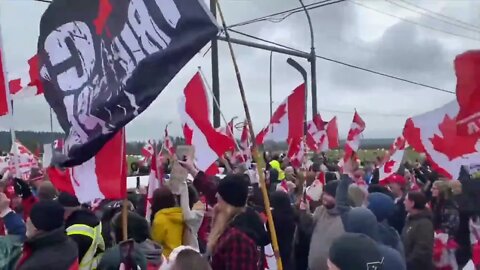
point(397, 185)
point(76, 214)
point(284, 220)
point(47, 246)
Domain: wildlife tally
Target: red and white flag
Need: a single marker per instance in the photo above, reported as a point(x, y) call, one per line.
point(228, 131)
point(27, 83)
point(58, 145)
point(168, 144)
point(25, 159)
point(198, 130)
point(394, 159)
point(435, 134)
point(147, 150)
point(3, 85)
point(245, 154)
point(354, 135)
point(467, 70)
point(331, 140)
point(102, 177)
point(155, 181)
point(315, 132)
point(287, 121)
point(296, 153)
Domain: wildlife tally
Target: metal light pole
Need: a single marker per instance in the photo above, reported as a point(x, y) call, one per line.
point(313, 61)
point(303, 72)
point(215, 71)
point(271, 78)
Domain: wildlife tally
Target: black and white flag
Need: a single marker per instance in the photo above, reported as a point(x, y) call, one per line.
point(103, 62)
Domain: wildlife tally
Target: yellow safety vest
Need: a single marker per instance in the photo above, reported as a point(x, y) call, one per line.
point(92, 258)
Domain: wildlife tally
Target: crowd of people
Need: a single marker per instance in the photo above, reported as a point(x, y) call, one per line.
point(414, 219)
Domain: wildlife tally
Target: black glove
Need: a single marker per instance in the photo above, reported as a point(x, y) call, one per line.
point(21, 187)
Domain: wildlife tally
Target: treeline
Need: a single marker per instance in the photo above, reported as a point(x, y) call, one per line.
point(33, 140)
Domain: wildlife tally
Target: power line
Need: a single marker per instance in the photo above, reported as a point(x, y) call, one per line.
point(366, 113)
point(414, 22)
point(349, 65)
point(477, 30)
point(442, 15)
point(286, 13)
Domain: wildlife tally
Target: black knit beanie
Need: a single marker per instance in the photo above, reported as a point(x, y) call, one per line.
point(353, 251)
point(47, 215)
point(234, 190)
point(331, 187)
point(68, 200)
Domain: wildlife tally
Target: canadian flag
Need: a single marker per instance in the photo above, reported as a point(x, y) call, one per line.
point(353, 140)
point(102, 177)
point(147, 150)
point(331, 141)
point(296, 153)
point(25, 159)
point(245, 153)
point(58, 144)
point(198, 130)
point(3, 86)
point(467, 70)
point(27, 83)
point(155, 181)
point(435, 134)
point(322, 136)
point(228, 131)
point(315, 132)
point(287, 121)
point(314, 191)
point(394, 160)
point(168, 144)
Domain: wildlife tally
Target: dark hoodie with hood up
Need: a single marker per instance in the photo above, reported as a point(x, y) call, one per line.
point(241, 246)
point(361, 220)
point(382, 206)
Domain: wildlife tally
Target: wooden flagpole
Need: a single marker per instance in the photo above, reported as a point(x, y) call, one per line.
point(256, 153)
point(125, 200)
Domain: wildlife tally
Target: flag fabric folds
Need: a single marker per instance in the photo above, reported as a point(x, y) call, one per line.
point(103, 62)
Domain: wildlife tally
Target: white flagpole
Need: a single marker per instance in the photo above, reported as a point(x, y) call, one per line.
point(10, 109)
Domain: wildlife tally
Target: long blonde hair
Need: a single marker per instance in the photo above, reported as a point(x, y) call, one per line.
point(223, 215)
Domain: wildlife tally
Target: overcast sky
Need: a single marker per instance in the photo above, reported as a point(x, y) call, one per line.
point(349, 31)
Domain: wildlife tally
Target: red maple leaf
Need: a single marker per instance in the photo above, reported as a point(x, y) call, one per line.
point(279, 113)
point(452, 145)
point(387, 168)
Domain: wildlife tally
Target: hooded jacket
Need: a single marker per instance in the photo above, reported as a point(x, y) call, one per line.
point(147, 253)
point(167, 229)
point(240, 247)
point(52, 250)
point(382, 206)
point(418, 238)
point(83, 217)
point(327, 226)
point(361, 220)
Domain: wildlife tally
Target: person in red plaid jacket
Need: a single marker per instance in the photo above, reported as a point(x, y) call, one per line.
point(237, 237)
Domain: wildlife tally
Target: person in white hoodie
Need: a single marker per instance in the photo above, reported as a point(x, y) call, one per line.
point(193, 212)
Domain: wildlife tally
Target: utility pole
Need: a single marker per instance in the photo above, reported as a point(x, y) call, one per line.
point(215, 75)
point(313, 61)
point(271, 87)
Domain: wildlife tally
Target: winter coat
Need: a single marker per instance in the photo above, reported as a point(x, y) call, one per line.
point(145, 254)
point(446, 217)
point(397, 219)
point(53, 251)
point(327, 226)
point(10, 251)
point(83, 217)
point(167, 229)
point(241, 245)
point(284, 220)
point(418, 241)
point(362, 220)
